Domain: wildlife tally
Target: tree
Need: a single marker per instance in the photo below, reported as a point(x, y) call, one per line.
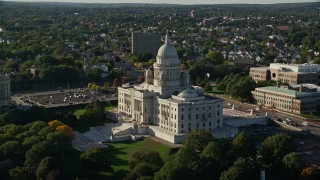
point(19, 173)
point(144, 156)
point(243, 168)
point(55, 123)
point(97, 88)
point(207, 87)
point(142, 169)
point(293, 164)
point(172, 171)
point(274, 148)
point(37, 153)
point(4, 138)
point(36, 126)
point(316, 60)
point(11, 66)
point(96, 160)
point(30, 141)
point(212, 157)
point(310, 173)
point(16, 116)
point(198, 139)
point(11, 150)
point(38, 113)
point(242, 147)
point(214, 57)
point(13, 130)
point(237, 90)
point(45, 130)
point(67, 130)
point(45, 167)
point(94, 74)
point(189, 155)
point(60, 139)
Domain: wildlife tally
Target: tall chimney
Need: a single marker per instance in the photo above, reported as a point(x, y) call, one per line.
point(300, 88)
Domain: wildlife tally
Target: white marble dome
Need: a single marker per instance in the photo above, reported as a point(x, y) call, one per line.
point(167, 53)
point(188, 93)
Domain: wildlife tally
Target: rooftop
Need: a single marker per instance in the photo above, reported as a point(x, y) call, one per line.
point(282, 90)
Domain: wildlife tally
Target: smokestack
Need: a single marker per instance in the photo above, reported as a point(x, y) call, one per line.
point(262, 174)
point(300, 88)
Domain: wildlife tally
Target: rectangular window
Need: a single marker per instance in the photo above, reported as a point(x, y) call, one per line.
point(218, 113)
point(196, 116)
point(189, 116)
point(182, 109)
point(181, 117)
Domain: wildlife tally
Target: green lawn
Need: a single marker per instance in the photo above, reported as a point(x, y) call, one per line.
point(79, 112)
point(311, 116)
point(215, 90)
point(108, 108)
point(120, 153)
point(85, 125)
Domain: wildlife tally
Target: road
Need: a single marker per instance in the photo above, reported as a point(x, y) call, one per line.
point(313, 127)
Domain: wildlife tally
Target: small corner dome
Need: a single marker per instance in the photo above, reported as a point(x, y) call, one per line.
point(188, 93)
point(167, 50)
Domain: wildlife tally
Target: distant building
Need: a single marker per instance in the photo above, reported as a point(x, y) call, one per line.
point(5, 92)
point(102, 66)
point(33, 70)
point(145, 42)
point(287, 73)
point(211, 21)
point(304, 98)
point(283, 28)
point(260, 73)
point(244, 63)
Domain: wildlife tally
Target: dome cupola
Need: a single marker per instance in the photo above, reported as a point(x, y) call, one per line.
point(167, 54)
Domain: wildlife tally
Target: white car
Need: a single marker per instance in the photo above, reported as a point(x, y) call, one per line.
point(288, 119)
point(305, 123)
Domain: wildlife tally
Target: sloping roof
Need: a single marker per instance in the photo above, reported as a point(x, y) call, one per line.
point(282, 90)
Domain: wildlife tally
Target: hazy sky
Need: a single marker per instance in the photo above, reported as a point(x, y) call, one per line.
point(176, 1)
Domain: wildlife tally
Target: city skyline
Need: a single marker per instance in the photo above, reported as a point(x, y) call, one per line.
point(175, 2)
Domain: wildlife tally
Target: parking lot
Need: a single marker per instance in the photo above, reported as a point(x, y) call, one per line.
point(61, 98)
